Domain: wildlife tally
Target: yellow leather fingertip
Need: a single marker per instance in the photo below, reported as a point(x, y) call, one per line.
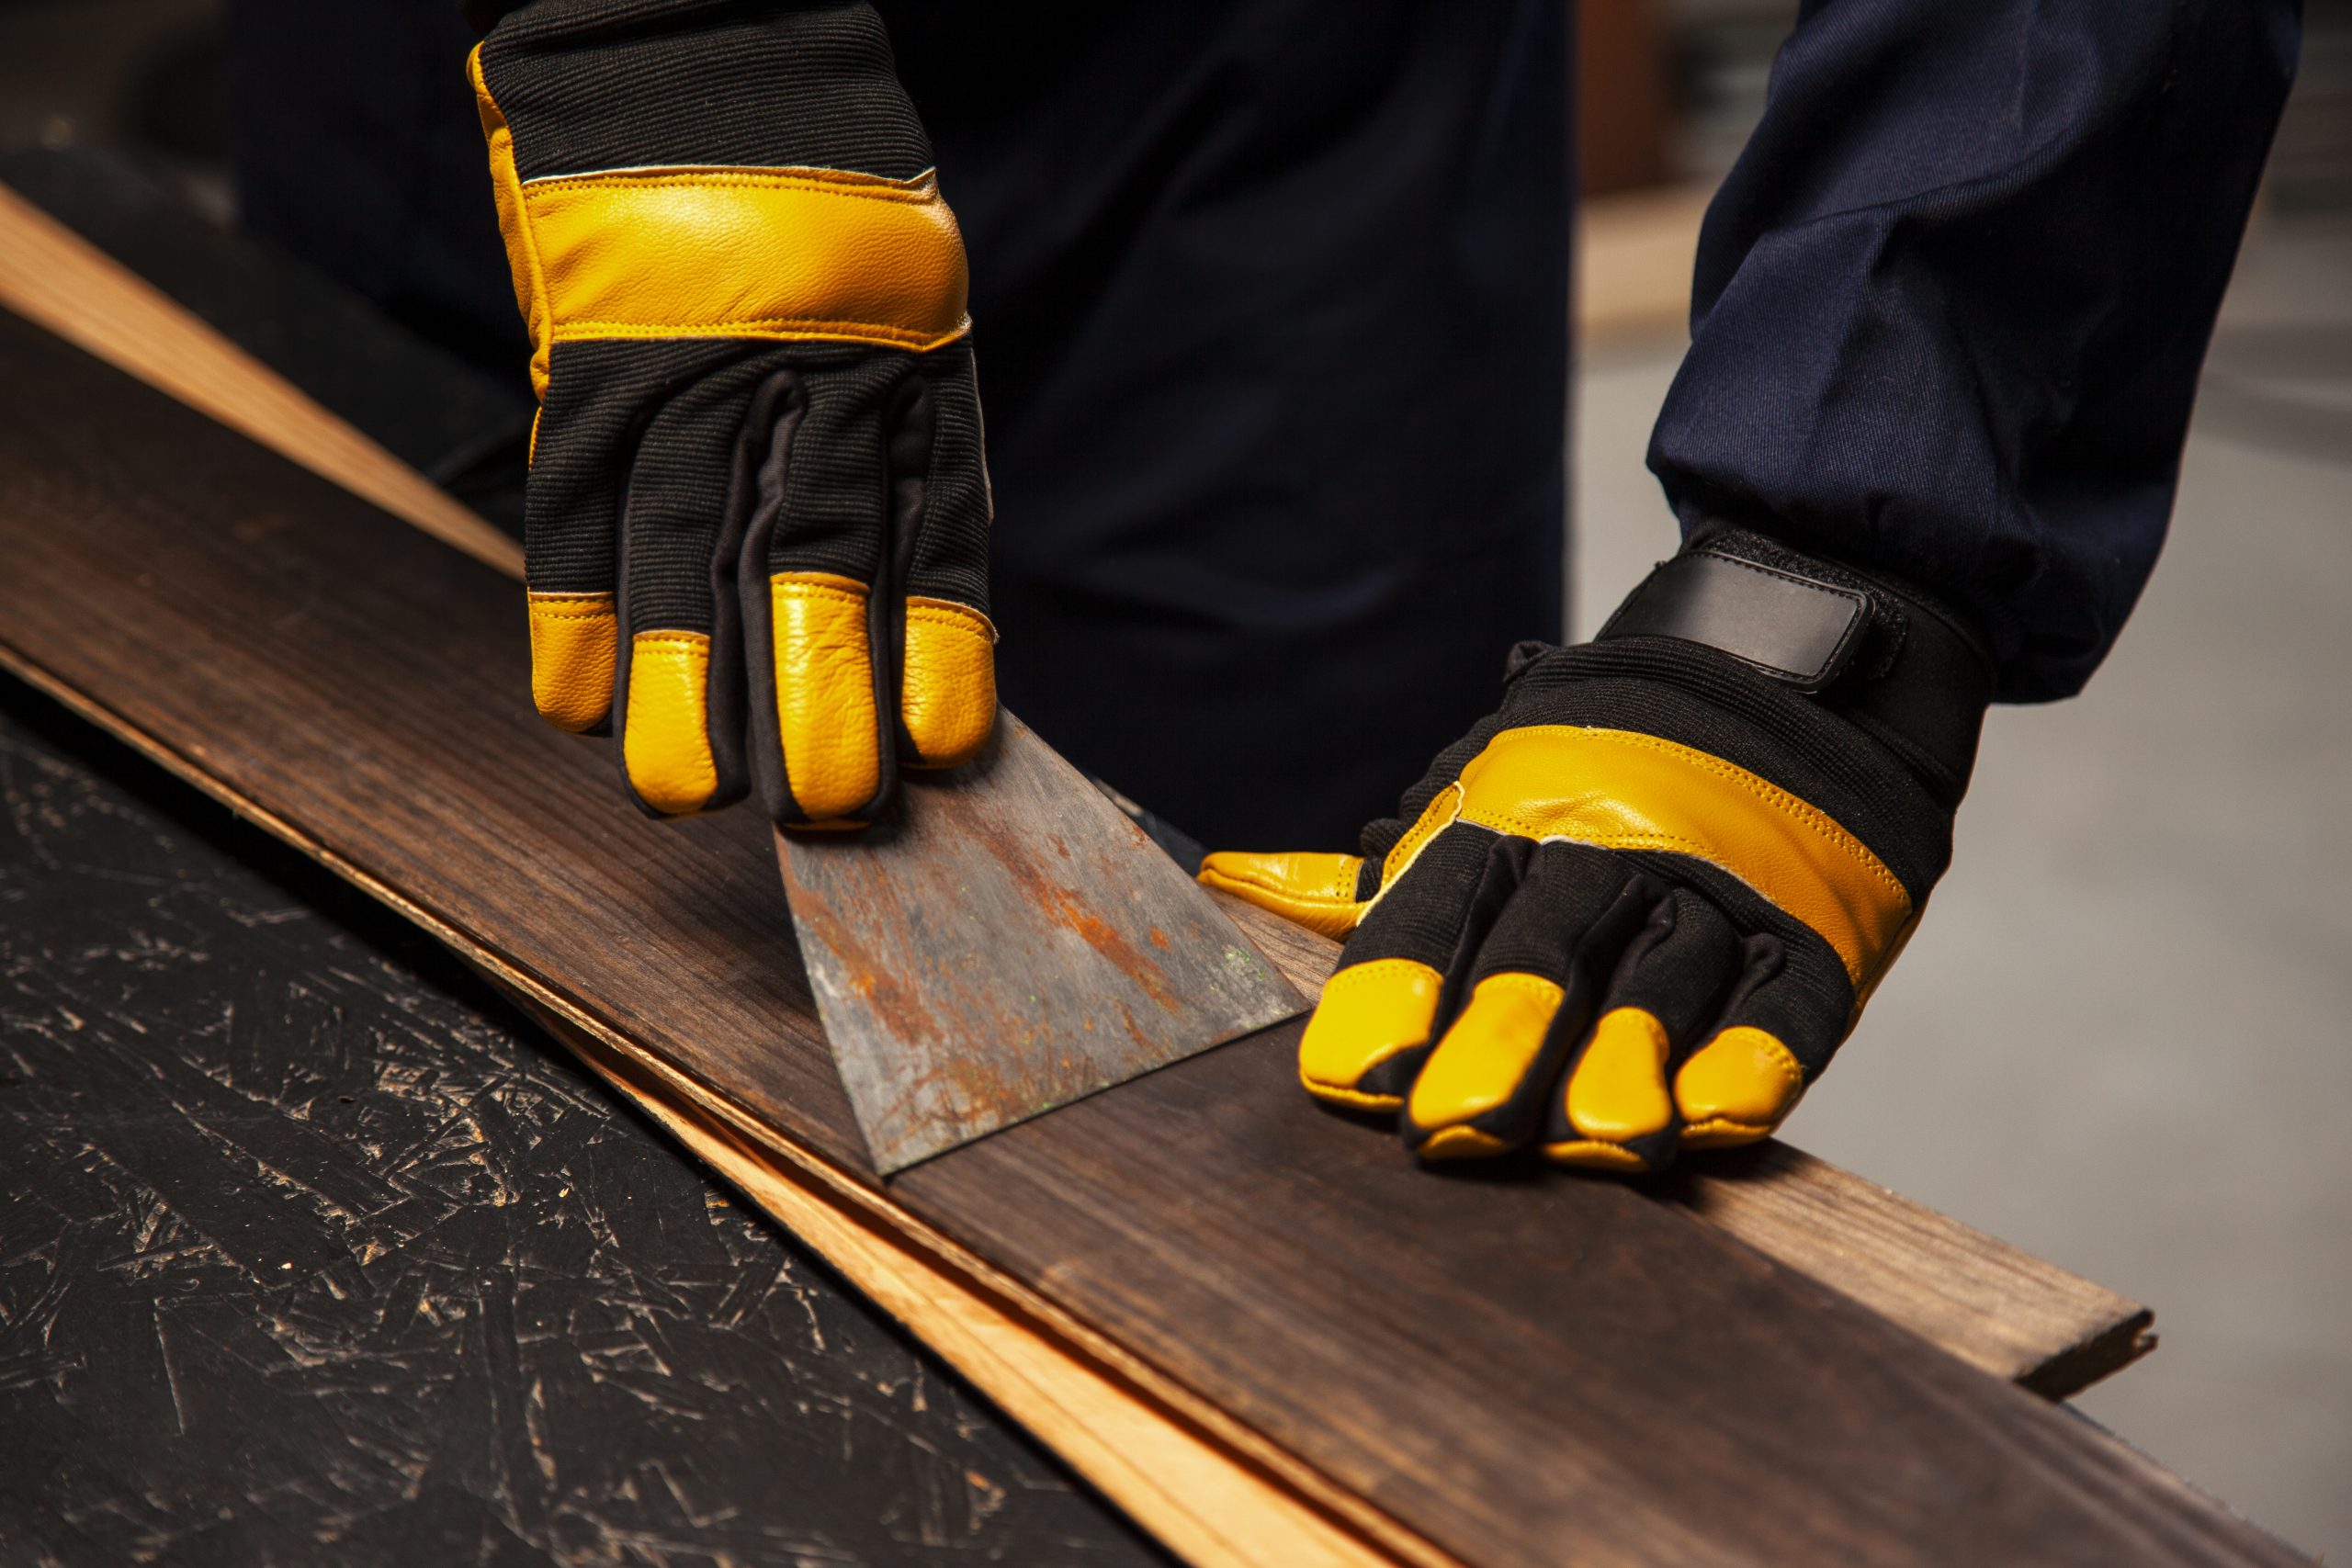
point(1586, 1155)
point(1369, 1012)
point(1618, 1090)
point(793, 254)
point(1736, 1087)
point(824, 691)
point(575, 641)
point(665, 742)
point(1488, 1052)
point(1315, 890)
point(529, 278)
point(1460, 1143)
point(948, 690)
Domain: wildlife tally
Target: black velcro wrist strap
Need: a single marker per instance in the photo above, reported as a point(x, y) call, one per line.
point(1883, 658)
point(1799, 630)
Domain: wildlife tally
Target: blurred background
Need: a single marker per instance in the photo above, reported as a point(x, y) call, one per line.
point(2120, 1040)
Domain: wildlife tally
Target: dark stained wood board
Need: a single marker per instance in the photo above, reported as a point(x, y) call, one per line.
point(1996, 1307)
point(1526, 1371)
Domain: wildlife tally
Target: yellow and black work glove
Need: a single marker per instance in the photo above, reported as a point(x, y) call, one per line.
point(756, 528)
point(1637, 909)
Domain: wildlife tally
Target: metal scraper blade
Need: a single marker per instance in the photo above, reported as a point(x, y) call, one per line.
point(1008, 942)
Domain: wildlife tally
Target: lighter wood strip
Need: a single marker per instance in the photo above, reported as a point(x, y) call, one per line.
point(51, 276)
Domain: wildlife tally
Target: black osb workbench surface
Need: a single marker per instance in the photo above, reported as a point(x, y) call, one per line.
point(312, 1250)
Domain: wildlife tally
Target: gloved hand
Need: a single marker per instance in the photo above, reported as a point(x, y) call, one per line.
point(1638, 908)
point(757, 522)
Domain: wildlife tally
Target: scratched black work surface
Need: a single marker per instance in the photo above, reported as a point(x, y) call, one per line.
point(311, 1250)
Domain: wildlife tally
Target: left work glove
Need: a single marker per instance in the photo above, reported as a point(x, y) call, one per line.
point(1638, 908)
point(756, 528)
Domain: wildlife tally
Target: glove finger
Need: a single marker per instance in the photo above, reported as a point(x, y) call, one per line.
point(1530, 995)
point(1380, 1008)
point(819, 618)
point(571, 543)
point(1792, 1008)
point(1615, 1111)
point(681, 693)
point(939, 526)
point(1326, 893)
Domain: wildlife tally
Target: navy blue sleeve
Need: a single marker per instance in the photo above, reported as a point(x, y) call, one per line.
point(1951, 304)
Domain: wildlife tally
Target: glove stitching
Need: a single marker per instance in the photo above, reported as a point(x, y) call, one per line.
point(1534, 986)
point(820, 590)
point(1332, 899)
point(1383, 967)
point(1584, 1144)
point(1777, 1053)
point(1417, 839)
point(1725, 1124)
point(579, 331)
point(946, 618)
point(926, 194)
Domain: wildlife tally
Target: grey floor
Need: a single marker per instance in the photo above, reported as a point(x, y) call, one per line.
point(2124, 1036)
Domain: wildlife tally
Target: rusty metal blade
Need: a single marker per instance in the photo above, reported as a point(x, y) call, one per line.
point(1008, 942)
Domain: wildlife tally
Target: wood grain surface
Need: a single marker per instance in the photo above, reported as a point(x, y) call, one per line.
point(1523, 1367)
point(1994, 1305)
point(51, 276)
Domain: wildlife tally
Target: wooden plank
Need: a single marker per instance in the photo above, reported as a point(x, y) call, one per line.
point(1994, 1306)
point(1989, 1304)
point(1517, 1366)
point(2019, 1317)
point(51, 276)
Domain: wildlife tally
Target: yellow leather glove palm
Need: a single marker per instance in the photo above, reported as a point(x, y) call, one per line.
point(757, 520)
point(1639, 908)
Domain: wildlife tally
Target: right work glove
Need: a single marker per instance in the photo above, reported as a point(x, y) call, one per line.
point(756, 530)
point(1637, 909)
